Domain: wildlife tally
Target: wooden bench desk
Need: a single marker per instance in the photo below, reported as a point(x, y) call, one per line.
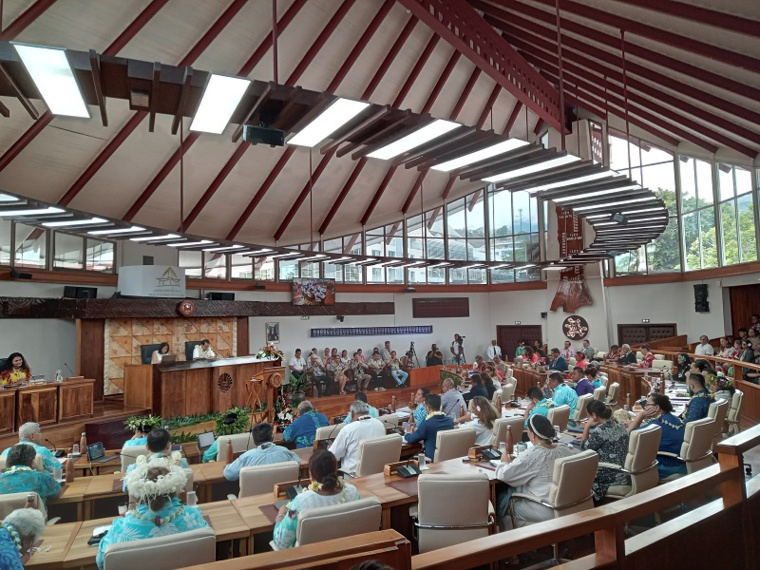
point(56, 541)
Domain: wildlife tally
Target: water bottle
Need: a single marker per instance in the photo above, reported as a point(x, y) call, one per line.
point(421, 459)
point(192, 499)
point(31, 501)
point(58, 377)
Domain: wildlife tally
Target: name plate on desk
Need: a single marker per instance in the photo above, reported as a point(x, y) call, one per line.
point(152, 281)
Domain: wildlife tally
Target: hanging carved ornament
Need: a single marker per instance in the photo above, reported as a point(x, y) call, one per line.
point(572, 291)
point(186, 308)
point(575, 327)
point(275, 379)
point(224, 382)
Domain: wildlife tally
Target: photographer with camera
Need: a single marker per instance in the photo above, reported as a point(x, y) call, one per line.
point(457, 349)
point(434, 356)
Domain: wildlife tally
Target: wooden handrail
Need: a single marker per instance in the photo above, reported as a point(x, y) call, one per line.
point(741, 442)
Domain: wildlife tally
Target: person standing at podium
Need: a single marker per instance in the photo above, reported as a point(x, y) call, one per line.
point(203, 351)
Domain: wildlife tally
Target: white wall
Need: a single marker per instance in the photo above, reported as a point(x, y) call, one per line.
point(131, 253)
point(45, 343)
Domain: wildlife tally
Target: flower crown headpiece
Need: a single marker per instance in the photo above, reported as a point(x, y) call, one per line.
point(145, 490)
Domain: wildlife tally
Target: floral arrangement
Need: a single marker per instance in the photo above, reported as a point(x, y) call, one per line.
point(285, 410)
point(720, 382)
point(270, 351)
point(143, 423)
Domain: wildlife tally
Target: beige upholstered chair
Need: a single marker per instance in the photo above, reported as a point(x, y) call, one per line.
point(12, 501)
point(509, 374)
point(580, 407)
point(600, 393)
point(500, 426)
point(376, 452)
point(612, 393)
point(661, 365)
point(559, 416)
point(391, 421)
point(572, 361)
point(37, 463)
point(732, 418)
point(260, 479)
point(660, 357)
point(129, 455)
point(496, 395)
point(163, 553)
point(696, 449)
point(240, 442)
point(719, 412)
point(572, 481)
point(328, 432)
point(452, 509)
point(600, 354)
point(640, 463)
point(453, 443)
point(338, 521)
point(508, 392)
point(639, 356)
point(604, 379)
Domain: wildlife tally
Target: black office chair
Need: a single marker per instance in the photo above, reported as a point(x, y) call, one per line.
point(189, 347)
point(3, 361)
point(146, 352)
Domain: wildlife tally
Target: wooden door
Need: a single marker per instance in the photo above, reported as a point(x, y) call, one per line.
point(639, 334)
point(509, 336)
point(745, 302)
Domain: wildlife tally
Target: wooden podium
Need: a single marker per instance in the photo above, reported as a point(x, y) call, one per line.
point(198, 387)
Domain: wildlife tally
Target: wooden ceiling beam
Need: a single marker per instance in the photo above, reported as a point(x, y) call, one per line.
point(153, 103)
point(187, 81)
point(361, 163)
point(23, 99)
point(97, 83)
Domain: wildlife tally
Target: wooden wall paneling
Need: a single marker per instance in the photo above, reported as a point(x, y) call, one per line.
point(198, 390)
point(750, 412)
point(509, 336)
point(171, 388)
point(243, 337)
point(138, 385)
point(224, 391)
point(37, 404)
point(7, 410)
point(90, 355)
point(745, 302)
point(75, 400)
point(641, 333)
point(440, 307)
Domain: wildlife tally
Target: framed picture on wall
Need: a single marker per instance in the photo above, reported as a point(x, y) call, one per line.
point(272, 333)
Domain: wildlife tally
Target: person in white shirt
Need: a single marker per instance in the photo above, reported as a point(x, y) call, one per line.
point(347, 443)
point(297, 365)
point(203, 350)
point(385, 353)
point(704, 348)
point(493, 351)
point(567, 352)
point(157, 355)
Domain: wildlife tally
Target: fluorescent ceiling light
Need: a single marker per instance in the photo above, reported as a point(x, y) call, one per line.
point(534, 168)
point(605, 224)
point(331, 119)
point(419, 137)
point(313, 257)
point(526, 266)
point(598, 216)
point(344, 258)
point(574, 181)
point(31, 212)
point(52, 75)
point(501, 266)
point(361, 261)
point(629, 229)
point(225, 248)
point(440, 265)
point(7, 198)
point(575, 197)
point(412, 264)
point(190, 243)
point(133, 229)
point(70, 223)
point(554, 268)
point(156, 238)
point(615, 203)
point(473, 266)
point(220, 99)
point(479, 155)
point(283, 255)
point(258, 251)
point(658, 209)
point(662, 218)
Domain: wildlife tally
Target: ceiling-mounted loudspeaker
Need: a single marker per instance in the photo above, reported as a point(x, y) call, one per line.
point(263, 135)
point(619, 218)
point(341, 318)
point(544, 315)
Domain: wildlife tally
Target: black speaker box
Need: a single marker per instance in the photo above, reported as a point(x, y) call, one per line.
point(701, 304)
point(263, 135)
point(80, 292)
point(218, 296)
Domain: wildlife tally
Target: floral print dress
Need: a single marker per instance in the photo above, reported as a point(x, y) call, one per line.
point(610, 441)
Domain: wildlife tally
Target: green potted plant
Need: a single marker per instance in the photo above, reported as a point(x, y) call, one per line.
point(143, 423)
point(298, 388)
point(239, 425)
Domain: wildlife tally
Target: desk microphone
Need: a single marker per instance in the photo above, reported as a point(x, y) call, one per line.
point(69, 369)
point(56, 452)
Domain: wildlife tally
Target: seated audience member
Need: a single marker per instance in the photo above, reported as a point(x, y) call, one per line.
point(580, 360)
point(726, 349)
point(557, 361)
point(418, 404)
point(613, 354)
point(203, 351)
point(359, 370)
point(587, 351)
point(700, 400)
point(344, 358)
point(593, 376)
point(478, 388)
point(297, 364)
point(21, 477)
point(704, 348)
point(742, 334)
point(683, 365)
point(314, 352)
point(15, 370)
point(452, 401)
point(567, 351)
point(407, 362)
point(336, 371)
point(748, 355)
point(319, 377)
point(347, 442)
point(326, 489)
point(481, 416)
point(140, 437)
point(754, 339)
point(737, 350)
point(582, 384)
point(385, 352)
point(479, 365)
point(609, 438)
point(538, 404)
point(265, 453)
point(303, 430)
point(159, 447)
point(20, 531)
point(427, 430)
point(539, 349)
point(646, 362)
point(159, 512)
point(396, 370)
point(373, 412)
point(495, 374)
point(326, 356)
point(489, 383)
point(755, 322)
point(627, 356)
point(501, 366)
point(361, 355)
point(520, 350)
point(493, 350)
point(659, 410)
point(163, 350)
point(722, 387)
point(376, 367)
point(562, 393)
point(30, 434)
point(530, 355)
point(530, 472)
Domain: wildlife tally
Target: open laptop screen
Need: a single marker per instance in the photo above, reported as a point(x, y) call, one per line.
point(96, 450)
point(205, 440)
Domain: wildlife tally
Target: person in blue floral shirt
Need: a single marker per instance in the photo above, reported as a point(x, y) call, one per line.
point(538, 404)
point(700, 402)
point(30, 434)
point(20, 530)
point(20, 477)
point(304, 429)
point(159, 512)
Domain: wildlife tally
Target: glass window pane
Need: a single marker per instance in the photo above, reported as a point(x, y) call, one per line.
point(725, 182)
point(395, 275)
point(475, 216)
point(31, 247)
point(747, 228)
point(191, 262)
point(375, 275)
point(310, 270)
point(653, 155)
point(708, 238)
point(502, 276)
point(743, 181)
point(664, 253)
point(457, 249)
point(434, 222)
point(458, 276)
point(263, 269)
point(5, 242)
point(728, 231)
point(704, 183)
point(288, 270)
point(436, 276)
point(416, 275)
point(691, 242)
point(435, 249)
point(352, 273)
point(521, 212)
point(99, 255)
point(68, 251)
point(500, 207)
point(688, 184)
point(215, 266)
point(241, 266)
point(477, 275)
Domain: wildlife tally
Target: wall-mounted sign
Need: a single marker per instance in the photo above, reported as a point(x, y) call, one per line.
point(152, 281)
point(575, 327)
point(572, 291)
point(371, 331)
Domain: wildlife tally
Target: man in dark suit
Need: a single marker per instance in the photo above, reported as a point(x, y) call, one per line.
point(428, 430)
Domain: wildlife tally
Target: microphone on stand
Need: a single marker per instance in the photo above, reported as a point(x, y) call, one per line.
point(69, 369)
point(56, 452)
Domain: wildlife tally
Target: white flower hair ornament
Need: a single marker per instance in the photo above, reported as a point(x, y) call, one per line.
point(144, 490)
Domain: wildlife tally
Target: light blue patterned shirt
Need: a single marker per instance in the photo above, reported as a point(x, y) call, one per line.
point(565, 395)
point(49, 461)
point(265, 454)
point(21, 479)
point(130, 527)
point(10, 559)
point(136, 441)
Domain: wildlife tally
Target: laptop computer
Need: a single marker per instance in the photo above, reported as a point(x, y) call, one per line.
point(96, 453)
point(206, 440)
point(168, 359)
